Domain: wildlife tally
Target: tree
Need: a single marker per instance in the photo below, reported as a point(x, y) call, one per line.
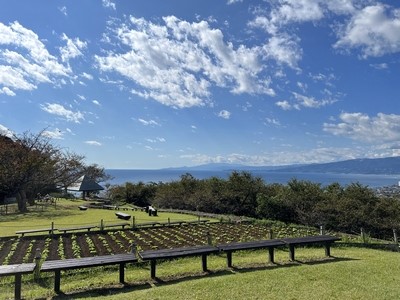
point(28, 163)
point(31, 164)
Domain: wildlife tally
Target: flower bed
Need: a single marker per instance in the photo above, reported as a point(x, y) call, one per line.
point(74, 245)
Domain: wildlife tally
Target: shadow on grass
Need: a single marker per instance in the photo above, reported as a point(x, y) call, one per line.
point(170, 280)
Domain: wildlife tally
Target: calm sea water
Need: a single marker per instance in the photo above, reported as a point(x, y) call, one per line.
point(134, 176)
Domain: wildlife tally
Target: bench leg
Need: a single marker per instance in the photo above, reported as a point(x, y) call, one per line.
point(153, 268)
point(204, 262)
point(122, 272)
point(271, 254)
point(328, 249)
point(18, 283)
point(57, 279)
point(229, 259)
point(291, 252)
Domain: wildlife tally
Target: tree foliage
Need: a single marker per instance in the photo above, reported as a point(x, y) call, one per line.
point(336, 207)
point(30, 164)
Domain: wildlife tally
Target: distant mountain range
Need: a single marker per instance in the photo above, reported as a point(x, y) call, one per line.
point(381, 166)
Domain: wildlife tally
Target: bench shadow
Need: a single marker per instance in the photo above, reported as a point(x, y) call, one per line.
point(151, 283)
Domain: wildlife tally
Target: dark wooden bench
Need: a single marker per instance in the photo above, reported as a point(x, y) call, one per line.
point(116, 225)
point(57, 266)
point(23, 232)
point(17, 271)
point(88, 228)
point(147, 224)
point(154, 255)
point(270, 244)
point(123, 216)
point(325, 240)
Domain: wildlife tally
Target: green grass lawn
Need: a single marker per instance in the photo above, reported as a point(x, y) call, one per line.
point(354, 273)
point(67, 214)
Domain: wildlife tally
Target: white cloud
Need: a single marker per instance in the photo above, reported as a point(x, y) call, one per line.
point(93, 143)
point(5, 131)
point(59, 110)
point(63, 10)
point(96, 102)
point(55, 134)
point(109, 4)
point(374, 29)
point(87, 76)
point(229, 2)
point(284, 104)
point(73, 48)
point(224, 114)
point(5, 90)
point(361, 127)
point(25, 61)
point(148, 122)
point(178, 62)
point(311, 102)
point(272, 121)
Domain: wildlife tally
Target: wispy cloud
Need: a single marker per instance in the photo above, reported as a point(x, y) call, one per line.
point(55, 134)
point(73, 48)
point(28, 62)
point(361, 127)
point(148, 122)
point(109, 4)
point(176, 63)
point(224, 114)
point(59, 110)
point(93, 143)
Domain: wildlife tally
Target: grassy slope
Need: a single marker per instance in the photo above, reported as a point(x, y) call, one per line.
point(355, 273)
point(67, 214)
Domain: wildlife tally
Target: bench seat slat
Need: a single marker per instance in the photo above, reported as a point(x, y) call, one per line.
point(310, 240)
point(85, 262)
point(251, 245)
point(178, 252)
point(8, 270)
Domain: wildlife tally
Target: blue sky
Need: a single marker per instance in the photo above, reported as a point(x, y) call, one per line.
point(154, 84)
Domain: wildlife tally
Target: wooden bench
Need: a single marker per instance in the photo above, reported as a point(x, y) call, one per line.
point(23, 232)
point(82, 207)
point(88, 228)
point(57, 266)
point(123, 216)
point(116, 225)
point(153, 255)
point(147, 224)
point(325, 240)
point(270, 244)
point(17, 270)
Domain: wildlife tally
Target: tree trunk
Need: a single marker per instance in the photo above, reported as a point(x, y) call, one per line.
point(21, 200)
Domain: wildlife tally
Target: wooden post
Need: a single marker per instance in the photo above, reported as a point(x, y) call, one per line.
point(271, 254)
point(169, 221)
point(153, 268)
point(52, 228)
point(122, 272)
point(395, 236)
point(322, 230)
point(38, 257)
point(204, 262)
point(133, 221)
point(101, 225)
point(209, 239)
point(363, 235)
point(57, 280)
point(291, 252)
point(18, 283)
point(229, 258)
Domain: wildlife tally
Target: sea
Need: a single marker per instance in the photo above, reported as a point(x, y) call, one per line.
point(121, 176)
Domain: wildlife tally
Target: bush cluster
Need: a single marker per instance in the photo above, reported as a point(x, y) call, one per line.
point(341, 208)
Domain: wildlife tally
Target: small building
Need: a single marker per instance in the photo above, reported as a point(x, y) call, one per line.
point(85, 185)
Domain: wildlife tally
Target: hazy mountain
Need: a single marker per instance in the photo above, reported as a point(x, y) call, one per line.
point(389, 165)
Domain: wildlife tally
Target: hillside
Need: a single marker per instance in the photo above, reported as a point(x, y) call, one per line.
point(379, 166)
point(387, 166)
